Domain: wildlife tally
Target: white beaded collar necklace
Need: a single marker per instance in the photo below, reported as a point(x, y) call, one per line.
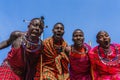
point(27, 45)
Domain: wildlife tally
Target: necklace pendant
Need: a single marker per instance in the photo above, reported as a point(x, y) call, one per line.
point(28, 45)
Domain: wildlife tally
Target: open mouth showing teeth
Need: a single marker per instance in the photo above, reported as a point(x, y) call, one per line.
point(58, 34)
point(35, 33)
point(106, 42)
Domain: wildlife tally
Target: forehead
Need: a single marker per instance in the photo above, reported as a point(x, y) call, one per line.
point(58, 25)
point(102, 33)
point(78, 32)
point(35, 21)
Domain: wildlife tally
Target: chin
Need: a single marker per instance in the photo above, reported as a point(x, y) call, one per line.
point(106, 46)
point(79, 45)
point(58, 37)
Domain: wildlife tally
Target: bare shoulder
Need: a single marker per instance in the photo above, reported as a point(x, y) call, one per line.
point(17, 33)
point(12, 40)
point(16, 37)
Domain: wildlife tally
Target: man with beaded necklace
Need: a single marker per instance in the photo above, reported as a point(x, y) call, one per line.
point(25, 51)
point(105, 58)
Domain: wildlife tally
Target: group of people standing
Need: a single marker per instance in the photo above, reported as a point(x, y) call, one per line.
point(30, 58)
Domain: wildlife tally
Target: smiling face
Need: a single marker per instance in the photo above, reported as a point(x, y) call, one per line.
point(103, 39)
point(58, 31)
point(78, 37)
point(35, 28)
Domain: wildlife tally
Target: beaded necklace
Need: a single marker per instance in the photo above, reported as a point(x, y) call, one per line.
point(85, 47)
point(31, 46)
point(113, 62)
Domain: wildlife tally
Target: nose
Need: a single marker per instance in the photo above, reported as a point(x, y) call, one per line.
point(37, 27)
point(59, 30)
point(78, 37)
point(105, 38)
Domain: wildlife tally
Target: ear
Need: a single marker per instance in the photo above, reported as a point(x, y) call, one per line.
point(72, 39)
point(110, 39)
point(64, 31)
point(28, 26)
point(42, 31)
point(84, 39)
point(52, 30)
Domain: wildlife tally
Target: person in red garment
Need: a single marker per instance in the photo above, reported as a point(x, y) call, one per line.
point(55, 61)
point(78, 56)
point(26, 48)
point(105, 58)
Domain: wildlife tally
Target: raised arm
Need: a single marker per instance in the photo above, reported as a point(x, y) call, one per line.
point(13, 36)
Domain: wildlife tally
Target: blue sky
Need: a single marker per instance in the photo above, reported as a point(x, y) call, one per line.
point(89, 15)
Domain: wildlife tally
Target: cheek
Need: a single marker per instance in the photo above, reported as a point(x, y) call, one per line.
point(82, 38)
point(74, 39)
point(29, 30)
point(110, 40)
point(41, 31)
point(62, 31)
point(54, 31)
point(100, 39)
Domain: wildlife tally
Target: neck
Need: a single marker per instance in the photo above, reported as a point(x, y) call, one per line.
point(105, 46)
point(33, 39)
point(57, 41)
point(107, 50)
point(80, 50)
point(78, 47)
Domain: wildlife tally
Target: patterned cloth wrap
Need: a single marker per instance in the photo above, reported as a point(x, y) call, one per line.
point(54, 64)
